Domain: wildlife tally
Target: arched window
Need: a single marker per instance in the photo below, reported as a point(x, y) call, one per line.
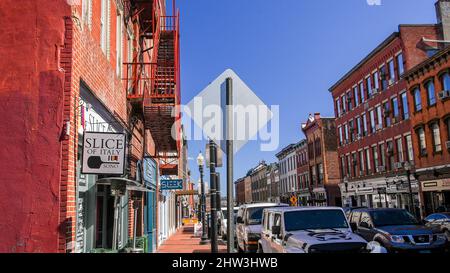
point(431, 93)
point(417, 99)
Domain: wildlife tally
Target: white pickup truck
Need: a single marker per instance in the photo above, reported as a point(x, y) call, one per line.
point(310, 230)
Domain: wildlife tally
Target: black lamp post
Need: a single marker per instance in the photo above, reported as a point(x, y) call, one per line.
point(201, 162)
point(407, 167)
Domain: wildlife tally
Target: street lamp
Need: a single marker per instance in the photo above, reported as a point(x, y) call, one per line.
point(201, 163)
point(408, 167)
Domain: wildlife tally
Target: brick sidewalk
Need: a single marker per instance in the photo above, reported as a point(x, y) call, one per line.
point(184, 241)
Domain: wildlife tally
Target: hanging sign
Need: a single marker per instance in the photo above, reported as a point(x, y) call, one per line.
point(171, 184)
point(104, 153)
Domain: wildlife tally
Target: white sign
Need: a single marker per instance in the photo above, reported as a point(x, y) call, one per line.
point(250, 114)
point(103, 153)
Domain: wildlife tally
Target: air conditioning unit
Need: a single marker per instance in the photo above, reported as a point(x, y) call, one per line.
point(381, 169)
point(378, 127)
point(444, 94)
point(394, 120)
point(375, 90)
point(358, 136)
point(391, 81)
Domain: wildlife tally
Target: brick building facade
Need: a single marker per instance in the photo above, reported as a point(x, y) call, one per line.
point(428, 86)
point(273, 183)
point(259, 185)
point(69, 81)
point(304, 194)
point(239, 189)
point(323, 161)
point(373, 116)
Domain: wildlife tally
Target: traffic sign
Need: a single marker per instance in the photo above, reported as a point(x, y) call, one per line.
point(294, 201)
point(171, 184)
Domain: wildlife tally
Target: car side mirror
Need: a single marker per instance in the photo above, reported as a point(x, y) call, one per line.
point(239, 220)
point(364, 225)
point(354, 227)
point(276, 230)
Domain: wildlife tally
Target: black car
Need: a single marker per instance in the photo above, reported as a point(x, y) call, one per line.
point(397, 230)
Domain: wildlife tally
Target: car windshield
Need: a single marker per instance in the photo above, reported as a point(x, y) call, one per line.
point(392, 218)
point(255, 215)
point(314, 219)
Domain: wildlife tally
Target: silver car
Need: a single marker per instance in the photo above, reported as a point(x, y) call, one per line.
point(248, 225)
point(310, 230)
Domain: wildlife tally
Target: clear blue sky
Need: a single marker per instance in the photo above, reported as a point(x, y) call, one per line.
point(289, 52)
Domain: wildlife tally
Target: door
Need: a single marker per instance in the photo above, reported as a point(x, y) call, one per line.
point(276, 242)
point(150, 221)
point(266, 232)
point(365, 227)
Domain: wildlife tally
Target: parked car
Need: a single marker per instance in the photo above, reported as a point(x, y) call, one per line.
point(348, 210)
point(439, 222)
point(248, 225)
point(397, 230)
point(310, 230)
point(223, 220)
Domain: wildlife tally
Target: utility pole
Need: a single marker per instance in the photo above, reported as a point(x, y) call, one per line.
point(213, 178)
point(229, 151)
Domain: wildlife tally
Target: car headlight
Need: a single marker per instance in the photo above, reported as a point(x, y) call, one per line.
point(397, 239)
point(441, 237)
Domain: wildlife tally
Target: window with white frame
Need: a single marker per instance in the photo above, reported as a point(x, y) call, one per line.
point(422, 141)
point(362, 92)
point(119, 42)
point(400, 67)
point(379, 117)
point(86, 12)
point(356, 96)
point(391, 70)
point(105, 26)
point(400, 154)
point(437, 145)
point(409, 147)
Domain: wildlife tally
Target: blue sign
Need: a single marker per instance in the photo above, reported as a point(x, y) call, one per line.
point(172, 184)
point(150, 172)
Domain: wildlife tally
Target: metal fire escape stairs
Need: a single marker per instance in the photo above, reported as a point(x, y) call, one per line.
point(154, 84)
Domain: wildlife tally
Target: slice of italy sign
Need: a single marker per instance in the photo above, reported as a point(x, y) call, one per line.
point(103, 153)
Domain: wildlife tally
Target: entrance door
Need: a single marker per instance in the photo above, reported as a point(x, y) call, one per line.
point(151, 220)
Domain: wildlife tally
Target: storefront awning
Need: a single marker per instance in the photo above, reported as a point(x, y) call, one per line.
point(131, 185)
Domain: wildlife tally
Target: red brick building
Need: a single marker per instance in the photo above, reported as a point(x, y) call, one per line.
point(239, 188)
point(373, 119)
point(323, 163)
point(303, 174)
point(428, 86)
point(70, 80)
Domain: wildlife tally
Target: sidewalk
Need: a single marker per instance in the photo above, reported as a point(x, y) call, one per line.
point(184, 241)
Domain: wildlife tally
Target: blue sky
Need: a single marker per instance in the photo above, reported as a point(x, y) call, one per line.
point(289, 52)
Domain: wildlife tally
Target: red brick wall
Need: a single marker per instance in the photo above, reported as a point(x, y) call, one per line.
point(31, 105)
point(407, 41)
point(439, 112)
